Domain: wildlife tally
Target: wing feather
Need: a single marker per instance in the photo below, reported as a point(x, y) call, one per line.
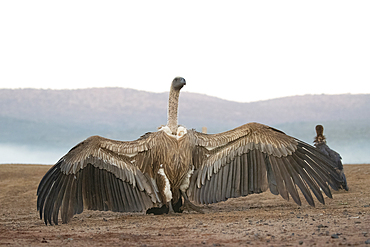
point(314, 170)
point(229, 180)
point(219, 187)
point(114, 199)
point(290, 183)
point(233, 180)
point(279, 177)
point(271, 177)
point(214, 186)
point(237, 178)
point(225, 174)
point(56, 196)
point(262, 178)
point(293, 171)
point(204, 193)
point(245, 174)
point(79, 197)
point(306, 173)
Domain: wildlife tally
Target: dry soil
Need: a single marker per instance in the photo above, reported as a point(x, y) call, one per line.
point(259, 220)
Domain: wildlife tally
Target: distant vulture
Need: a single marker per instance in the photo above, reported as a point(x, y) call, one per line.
point(160, 169)
point(320, 144)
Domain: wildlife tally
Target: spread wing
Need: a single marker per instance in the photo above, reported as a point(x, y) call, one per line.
point(254, 157)
point(99, 174)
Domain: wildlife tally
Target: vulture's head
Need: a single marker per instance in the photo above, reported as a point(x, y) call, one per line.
point(320, 138)
point(178, 83)
point(319, 130)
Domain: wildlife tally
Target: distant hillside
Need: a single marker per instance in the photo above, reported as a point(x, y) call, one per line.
point(62, 118)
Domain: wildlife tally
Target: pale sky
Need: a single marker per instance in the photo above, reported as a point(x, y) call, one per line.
point(236, 50)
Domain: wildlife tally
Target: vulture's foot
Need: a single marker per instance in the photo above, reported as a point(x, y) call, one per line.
point(191, 207)
point(170, 208)
point(188, 205)
point(175, 208)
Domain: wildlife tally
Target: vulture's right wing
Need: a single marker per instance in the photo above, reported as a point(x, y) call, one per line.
point(100, 174)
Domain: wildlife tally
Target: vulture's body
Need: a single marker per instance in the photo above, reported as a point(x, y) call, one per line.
point(162, 168)
point(320, 144)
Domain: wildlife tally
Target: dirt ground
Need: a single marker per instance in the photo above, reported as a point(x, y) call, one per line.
point(259, 220)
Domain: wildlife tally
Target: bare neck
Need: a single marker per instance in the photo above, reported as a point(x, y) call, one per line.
point(320, 139)
point(173, 103)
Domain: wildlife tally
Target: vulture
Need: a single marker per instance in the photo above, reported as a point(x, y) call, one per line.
point(320, 144)
point(176, 168)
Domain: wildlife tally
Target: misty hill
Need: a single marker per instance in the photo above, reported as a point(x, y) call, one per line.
point(62, 118)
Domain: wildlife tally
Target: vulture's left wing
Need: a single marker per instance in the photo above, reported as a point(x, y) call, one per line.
point(254, 157)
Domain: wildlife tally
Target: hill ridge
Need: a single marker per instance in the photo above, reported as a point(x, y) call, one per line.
point(62, 118)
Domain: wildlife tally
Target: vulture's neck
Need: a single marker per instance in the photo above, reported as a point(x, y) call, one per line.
point(173, 104)
point(320, 139)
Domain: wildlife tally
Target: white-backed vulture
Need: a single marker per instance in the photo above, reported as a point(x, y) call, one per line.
point(320, 144)
point(174, 163)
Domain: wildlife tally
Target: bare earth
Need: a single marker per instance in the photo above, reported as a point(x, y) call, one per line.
point(260, 220)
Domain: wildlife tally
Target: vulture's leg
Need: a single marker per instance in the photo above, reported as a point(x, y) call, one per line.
point(170, 208)
point(190, 206)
